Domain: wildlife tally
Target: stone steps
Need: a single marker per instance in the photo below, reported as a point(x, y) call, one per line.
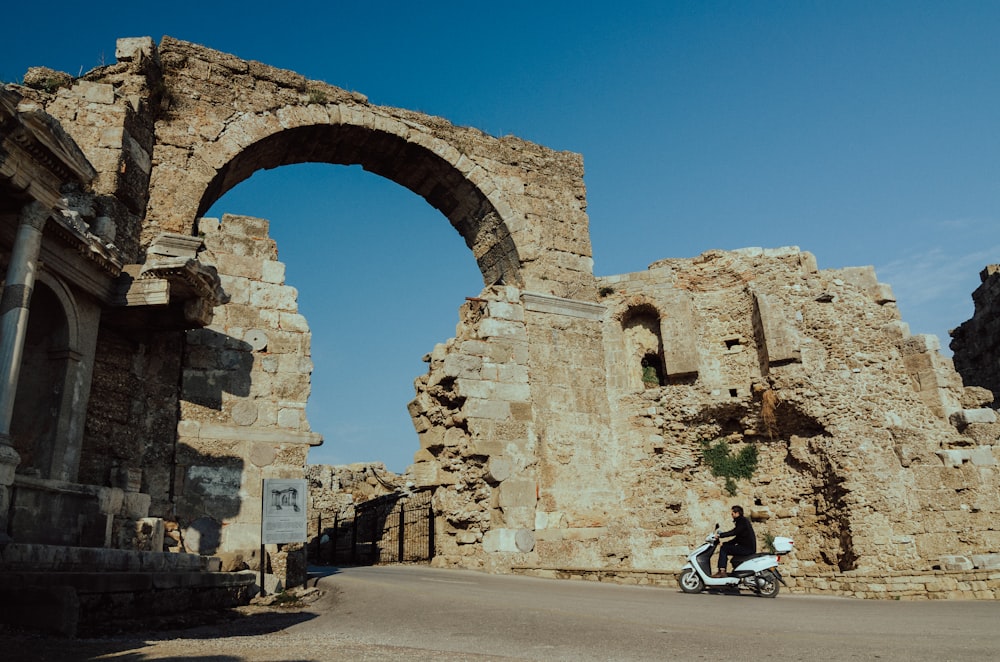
point(63, 589)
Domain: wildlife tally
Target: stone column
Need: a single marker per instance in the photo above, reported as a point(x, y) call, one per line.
point(13, 327)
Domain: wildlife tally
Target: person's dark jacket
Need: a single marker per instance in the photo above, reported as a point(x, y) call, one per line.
point(742, 533)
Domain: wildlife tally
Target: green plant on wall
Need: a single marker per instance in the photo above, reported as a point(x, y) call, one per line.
point(316, 95)
point(769, 542)
point(725, 464)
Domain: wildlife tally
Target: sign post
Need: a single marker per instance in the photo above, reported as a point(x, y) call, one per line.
point(282, 516)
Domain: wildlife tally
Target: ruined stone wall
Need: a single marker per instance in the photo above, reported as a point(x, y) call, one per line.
point(246, 379)
point(863, 443)
point(334, 490)
point(474, 421)
point(976, 342)
point(872, 457)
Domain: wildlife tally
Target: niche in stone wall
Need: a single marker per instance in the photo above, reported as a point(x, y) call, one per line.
point(41, 384)
point(643, 347)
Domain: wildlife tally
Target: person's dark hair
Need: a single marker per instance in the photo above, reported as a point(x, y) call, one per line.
point(739, 509)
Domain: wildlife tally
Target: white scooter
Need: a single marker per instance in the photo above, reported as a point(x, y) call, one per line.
point(757, 572)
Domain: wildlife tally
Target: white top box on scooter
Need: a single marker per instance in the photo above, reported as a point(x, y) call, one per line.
point(782, 545)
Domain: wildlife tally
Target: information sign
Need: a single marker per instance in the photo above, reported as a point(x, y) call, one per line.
point(283, 519)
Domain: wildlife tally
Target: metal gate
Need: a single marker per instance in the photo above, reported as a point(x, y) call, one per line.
point(395, 528)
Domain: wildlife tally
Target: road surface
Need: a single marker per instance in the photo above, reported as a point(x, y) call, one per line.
point(420, 613)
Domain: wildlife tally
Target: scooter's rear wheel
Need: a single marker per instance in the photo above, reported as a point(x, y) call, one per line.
point(690, 581)
point(767, 584)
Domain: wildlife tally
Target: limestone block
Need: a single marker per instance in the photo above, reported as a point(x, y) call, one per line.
point(506, 311)
point(964, 417)
point(292, 364)
point(490, 328)
point(455, 437)
point(508, 540)
point(293, 322)
point(512, 373)
point(273, 272)
point(976, 397)
point(103, 93)
point(278, 297)
point(432, 437)
point(986, 561)
point(129, 49)
point(516, 493)
point(467, 537)
point(778, 342)
point(240, 266)
point(488, 390)
point(679, 332)
point(423, 455)
point(110, 500)
point(490, 409)
point(135, 505)
point(242, 535)
point(461, 365)
point(488, 447)
point(952, 457)
point(953, 562)
point(262, 455)
point(584, 533)
point(472, 347)
point(982, 456)
point(524, 540)
point(429, 474)
point(498, 469)
point(290, 418)
point(244, 412)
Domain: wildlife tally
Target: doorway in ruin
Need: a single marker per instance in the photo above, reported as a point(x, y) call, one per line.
point(380, 276)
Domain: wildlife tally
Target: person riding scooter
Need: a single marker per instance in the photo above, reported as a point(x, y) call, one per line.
point(743, 543)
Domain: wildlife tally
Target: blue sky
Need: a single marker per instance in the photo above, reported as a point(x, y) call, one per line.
point(864, 132)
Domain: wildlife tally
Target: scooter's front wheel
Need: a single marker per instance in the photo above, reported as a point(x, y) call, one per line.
point(690, 581)
point(767, 584)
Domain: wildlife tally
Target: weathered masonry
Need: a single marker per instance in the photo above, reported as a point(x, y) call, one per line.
point(564, 427)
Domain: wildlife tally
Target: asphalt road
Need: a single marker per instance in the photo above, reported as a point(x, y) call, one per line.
point(420, 613)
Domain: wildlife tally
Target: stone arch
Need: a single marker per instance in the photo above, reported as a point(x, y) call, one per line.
point(520, 207)
point(338, 134)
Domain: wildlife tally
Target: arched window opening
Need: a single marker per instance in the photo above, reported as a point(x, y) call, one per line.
point(644, 347)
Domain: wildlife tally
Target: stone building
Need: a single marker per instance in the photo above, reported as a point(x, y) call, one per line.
point(564, 427)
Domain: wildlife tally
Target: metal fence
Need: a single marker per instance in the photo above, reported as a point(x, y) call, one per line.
point(395, 528)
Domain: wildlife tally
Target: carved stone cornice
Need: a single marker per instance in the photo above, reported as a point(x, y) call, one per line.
point(36, 155)
point(167, 293)
point(547, 303)
point(188, 278)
